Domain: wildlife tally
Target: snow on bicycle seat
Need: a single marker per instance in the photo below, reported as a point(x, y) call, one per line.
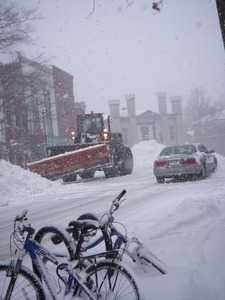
point(85, 225)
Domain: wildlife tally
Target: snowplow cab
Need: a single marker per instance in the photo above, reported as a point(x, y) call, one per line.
point(90, 128)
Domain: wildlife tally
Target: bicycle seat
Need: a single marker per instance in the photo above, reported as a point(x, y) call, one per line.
point(84, 226)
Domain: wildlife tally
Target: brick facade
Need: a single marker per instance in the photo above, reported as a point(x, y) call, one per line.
point(38, 110)
point(64, 99)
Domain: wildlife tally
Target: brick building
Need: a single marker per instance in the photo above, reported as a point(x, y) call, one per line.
point(64, 99)
point(38, 110)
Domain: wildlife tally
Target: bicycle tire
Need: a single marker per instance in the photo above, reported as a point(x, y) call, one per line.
point(112, 281)
point(146, 259)
point(27, 284)
point(62, 235)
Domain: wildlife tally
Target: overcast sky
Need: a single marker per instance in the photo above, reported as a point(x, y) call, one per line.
point(121, 50)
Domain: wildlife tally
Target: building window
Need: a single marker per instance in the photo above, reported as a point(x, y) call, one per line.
point(172, 132)
point(145, 133)
point(48, 113)
point(8, 118)
point(65, 108)
point(154, 132)
point(24, 121)
point(14, 120)
point(34, 117)
point(18, 120)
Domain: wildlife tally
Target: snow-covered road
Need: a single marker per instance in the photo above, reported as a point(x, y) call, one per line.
point(183, 223)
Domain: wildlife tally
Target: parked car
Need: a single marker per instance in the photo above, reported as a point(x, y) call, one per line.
point(184, 161)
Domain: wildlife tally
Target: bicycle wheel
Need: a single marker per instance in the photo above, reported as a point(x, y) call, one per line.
point(65, 249)
point(44, 237)
point(27, 285)
point(146, 259)
point(110, 280)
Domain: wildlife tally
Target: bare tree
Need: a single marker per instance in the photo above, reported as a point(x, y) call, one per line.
point(15, 26)
point(197, 107)
point(27, 77)
point(15, 29)
point(220, 103)
point(156, 6)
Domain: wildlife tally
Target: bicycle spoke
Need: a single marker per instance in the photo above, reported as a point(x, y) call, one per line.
point(113, 282)
point(25, 286)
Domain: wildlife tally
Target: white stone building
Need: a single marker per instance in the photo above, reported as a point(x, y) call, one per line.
point(164, 127)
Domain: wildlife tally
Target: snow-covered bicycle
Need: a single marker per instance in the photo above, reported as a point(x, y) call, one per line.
point(110, 235)
point(101, 280)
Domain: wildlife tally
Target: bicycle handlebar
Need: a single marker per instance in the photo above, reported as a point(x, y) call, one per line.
point(21, 227)
point(116, 202)
point(121, 195)
point(21, 217)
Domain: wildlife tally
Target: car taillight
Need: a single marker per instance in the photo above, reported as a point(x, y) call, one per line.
point(188, 161)
point(160, 163)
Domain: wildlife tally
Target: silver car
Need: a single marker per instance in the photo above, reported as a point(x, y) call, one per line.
point(184, 161)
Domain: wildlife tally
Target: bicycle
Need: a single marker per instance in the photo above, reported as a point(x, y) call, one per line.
point(101, 280)
point(132, 247)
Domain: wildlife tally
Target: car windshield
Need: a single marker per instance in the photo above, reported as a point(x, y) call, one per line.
point(185, 149)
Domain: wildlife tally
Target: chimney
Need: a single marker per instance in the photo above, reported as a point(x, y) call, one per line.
point(131, 109)
point(162, 103)
point(114, 108)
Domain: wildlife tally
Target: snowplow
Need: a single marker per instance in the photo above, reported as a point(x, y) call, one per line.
point(95, 148)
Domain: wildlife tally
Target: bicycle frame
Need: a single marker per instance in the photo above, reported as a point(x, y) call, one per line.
point(36, 251)
point(139, 253)
point(120, 240)
point(109, 230)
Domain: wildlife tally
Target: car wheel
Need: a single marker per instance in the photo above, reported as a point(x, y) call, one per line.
point(160, 179)
point(203, 172)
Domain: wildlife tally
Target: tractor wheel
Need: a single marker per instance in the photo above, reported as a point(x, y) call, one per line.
point(87, 174)
point(69, 178)
point(127, 163)
point(111, 172)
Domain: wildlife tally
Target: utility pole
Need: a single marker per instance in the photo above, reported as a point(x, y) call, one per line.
point(221, 12)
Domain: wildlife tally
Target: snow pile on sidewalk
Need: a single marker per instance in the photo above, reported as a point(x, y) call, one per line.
point(16, 182)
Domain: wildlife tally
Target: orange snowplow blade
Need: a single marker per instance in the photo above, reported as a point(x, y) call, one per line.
point(69, 162)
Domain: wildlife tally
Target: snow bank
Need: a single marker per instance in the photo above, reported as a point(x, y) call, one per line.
point(16, 182)
point(146, 152)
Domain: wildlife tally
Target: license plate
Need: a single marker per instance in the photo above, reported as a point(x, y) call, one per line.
point(174, 162)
